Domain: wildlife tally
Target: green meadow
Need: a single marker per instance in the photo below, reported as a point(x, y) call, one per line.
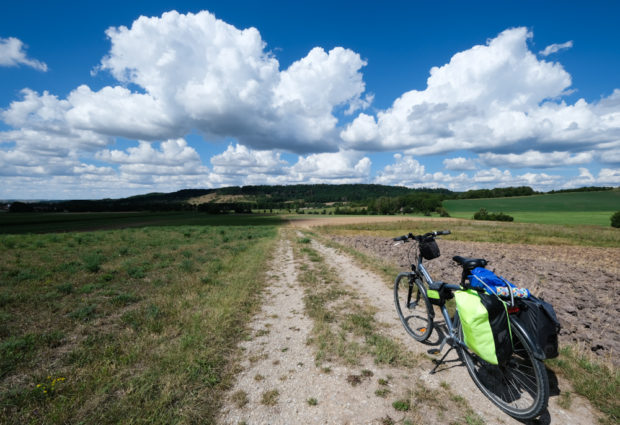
point(573, 208)
point(134, 325)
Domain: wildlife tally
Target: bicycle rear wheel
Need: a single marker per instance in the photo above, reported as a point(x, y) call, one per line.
point(520, 386)
point(413, 307)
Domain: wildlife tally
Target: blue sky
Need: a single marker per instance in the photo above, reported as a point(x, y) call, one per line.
point(97, 102)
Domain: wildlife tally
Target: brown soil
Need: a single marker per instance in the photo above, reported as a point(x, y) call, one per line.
point(580, 282)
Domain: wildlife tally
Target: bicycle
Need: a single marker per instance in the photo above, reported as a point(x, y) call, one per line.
point(519, 385)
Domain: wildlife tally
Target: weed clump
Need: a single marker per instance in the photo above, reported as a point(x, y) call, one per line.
point(270, 398)
point(240, 398)
point(84, 313)
point(65, 288)
point(402, 405)
point(92, 262)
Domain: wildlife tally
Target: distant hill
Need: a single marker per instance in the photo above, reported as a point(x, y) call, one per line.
point(264, 197)
point(344, 199)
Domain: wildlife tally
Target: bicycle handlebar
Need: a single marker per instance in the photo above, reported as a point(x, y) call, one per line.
point(421, 237)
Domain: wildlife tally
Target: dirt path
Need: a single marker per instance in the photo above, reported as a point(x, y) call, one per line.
point(280, 383)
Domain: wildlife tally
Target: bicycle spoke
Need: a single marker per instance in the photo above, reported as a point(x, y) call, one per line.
point(532, 382)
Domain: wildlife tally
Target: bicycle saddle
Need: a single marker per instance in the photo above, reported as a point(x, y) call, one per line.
point(470, 263)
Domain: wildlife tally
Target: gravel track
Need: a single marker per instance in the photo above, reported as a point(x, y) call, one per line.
point(278, 357)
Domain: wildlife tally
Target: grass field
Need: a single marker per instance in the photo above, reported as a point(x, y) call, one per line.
point(589, 208)
point(138, 325)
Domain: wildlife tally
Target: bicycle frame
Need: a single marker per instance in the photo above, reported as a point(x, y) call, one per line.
point(452, 338)
point(420, 271)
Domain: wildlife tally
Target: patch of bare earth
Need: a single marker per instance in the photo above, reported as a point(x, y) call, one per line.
point(280, 382)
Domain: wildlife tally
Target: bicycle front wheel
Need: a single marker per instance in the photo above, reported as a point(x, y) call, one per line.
point(519, 386)
point(413, 307)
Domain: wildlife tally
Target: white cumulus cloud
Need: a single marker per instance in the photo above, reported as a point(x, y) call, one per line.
point(497, 96)
point(198, 72)
point(238, 160)
point(12, 53)
point(174, 157)
point(536, 159)
point(459, 164)
point(337, 167)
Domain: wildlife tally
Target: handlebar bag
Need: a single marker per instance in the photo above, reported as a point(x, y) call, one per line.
point(486, 326)
point(541, 323)
point(429, 249)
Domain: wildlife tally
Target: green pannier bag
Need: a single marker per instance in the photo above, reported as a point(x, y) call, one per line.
point(486, 327)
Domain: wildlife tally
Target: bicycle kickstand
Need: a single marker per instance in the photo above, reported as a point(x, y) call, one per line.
point(440, 361)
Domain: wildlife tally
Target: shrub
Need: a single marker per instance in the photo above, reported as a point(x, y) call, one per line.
point(483, 214)
point(443, 212)
point(502, 217)
point(615, 219)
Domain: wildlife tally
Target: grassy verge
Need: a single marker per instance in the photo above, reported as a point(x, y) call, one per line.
point(138, 325)
point(485, 231)
point(597, 382)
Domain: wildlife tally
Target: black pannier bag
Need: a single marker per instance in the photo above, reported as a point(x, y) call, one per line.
point(429, 249)
point(539, 320)
point(500, 326)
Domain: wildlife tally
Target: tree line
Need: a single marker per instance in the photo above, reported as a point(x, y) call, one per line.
point(345, 198)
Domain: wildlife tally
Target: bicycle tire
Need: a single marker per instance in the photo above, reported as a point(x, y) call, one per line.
point(520, 387)
point(413, 307)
